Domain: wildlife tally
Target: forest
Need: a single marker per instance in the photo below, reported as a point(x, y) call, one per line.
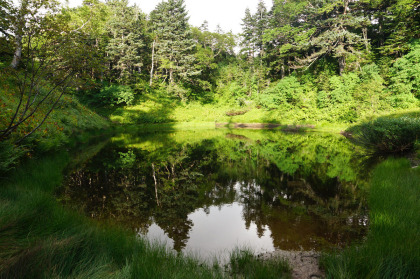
point(299, 62)
point(106, 93)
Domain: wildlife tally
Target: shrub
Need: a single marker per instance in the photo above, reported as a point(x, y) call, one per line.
point(178, 91)
point(288, 91)
point(388, 135)
point(403, 100)
point(341, 90)
point(406, 73)
point(119, 94)
point(112, 95)
point(370, 90)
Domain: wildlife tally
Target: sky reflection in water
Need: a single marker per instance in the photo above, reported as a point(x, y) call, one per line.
point(208, 192)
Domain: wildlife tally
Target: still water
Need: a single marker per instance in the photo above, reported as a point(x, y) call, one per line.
point(208, 192)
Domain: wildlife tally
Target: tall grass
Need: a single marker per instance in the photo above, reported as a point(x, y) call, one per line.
point(244, 264)
point(388, 134)
point(41, 239)
point(392, 248)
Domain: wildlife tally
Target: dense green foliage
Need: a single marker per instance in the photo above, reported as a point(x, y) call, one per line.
point(391, 248)
point(301, 61)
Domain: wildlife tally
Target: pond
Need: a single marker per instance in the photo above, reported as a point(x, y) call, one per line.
point(207, 192)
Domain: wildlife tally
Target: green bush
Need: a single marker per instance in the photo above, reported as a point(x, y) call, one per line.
point(388, 135)
point(370, 90)
point(403, 100)
point(178, 91)
point(288, 91)
point(111, 95)
point(406, 73)
point(118, 94)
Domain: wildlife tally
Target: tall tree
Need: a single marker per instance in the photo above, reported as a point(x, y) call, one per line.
point(127, 31)
point(248, 34)
point(174, 44)
point(307, 30)
point(286, 30)
point(261, 25)
point(90, 19)
point(334, 32)
point(394, 24)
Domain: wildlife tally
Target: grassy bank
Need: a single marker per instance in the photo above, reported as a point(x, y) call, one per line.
point(41, 239)
point(155, 109)
point(396, 133)
point(392, 246)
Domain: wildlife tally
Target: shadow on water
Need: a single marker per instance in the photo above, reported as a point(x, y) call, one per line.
point(212, 190)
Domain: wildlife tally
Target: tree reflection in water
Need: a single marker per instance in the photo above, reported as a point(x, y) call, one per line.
point(303, 190)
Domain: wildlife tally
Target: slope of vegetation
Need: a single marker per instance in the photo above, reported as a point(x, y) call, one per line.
point(68, 117)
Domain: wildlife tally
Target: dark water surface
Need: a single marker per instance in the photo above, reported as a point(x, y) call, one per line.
point(209, 191)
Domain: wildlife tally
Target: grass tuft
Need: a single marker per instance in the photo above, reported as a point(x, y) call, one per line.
point(244, 264)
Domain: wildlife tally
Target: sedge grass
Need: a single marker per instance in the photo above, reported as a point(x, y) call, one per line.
point(392, 247)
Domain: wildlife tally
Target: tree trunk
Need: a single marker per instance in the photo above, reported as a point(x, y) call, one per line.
point(380, 30)
point(18, 52)
point(365, 38)
point(153, 63)
point(341, 64)
point(171, 75)
point(18, 30)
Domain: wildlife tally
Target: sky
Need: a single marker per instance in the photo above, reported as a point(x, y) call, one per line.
point(227, 13)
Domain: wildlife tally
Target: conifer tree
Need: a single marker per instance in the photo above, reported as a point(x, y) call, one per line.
point(304, 31)
point(261, 25)
point(333, 30)
point(205, 26)
point(126, 41)
point(174, 44)
point(248, 33)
